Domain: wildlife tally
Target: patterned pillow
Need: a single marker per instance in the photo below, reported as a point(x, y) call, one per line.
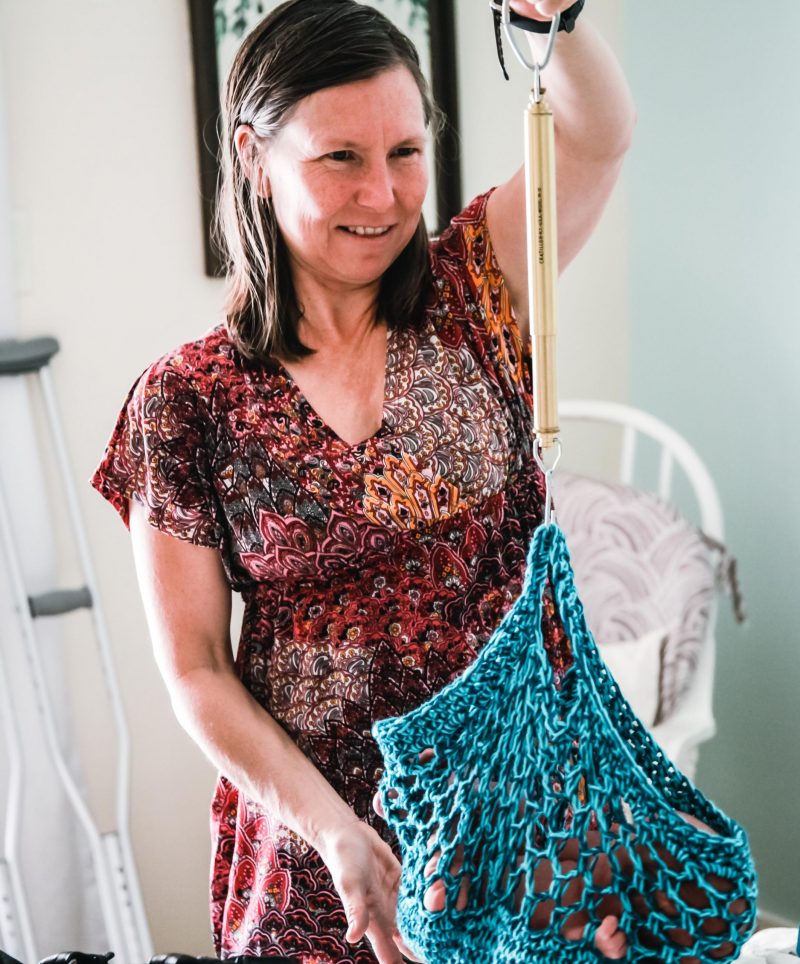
point(640, 567)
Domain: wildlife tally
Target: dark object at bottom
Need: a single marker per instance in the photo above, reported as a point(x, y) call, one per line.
point(186, 959)
point(77, 957)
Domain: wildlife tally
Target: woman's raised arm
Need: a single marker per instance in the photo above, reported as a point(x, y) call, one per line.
point(594, 120)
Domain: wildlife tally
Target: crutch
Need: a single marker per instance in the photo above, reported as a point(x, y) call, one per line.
point(16, 934)
point(111, 853)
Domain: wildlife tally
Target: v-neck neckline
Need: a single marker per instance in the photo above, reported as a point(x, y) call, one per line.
point(323, 425)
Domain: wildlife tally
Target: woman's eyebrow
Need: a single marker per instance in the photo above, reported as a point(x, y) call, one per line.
point(339, 142)
point(328, 141)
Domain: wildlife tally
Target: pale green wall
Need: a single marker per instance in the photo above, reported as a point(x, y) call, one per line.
point(714, 203)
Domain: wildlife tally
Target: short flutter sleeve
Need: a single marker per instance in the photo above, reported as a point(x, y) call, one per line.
point(157, 455)
point(470, 288)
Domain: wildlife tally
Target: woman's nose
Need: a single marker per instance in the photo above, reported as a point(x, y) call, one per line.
point(376, 189)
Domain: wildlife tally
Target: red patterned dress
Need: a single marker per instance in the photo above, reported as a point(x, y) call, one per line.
point(372, 574)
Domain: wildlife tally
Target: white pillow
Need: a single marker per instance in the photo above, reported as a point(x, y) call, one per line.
point(772, 945)
point(635, 665)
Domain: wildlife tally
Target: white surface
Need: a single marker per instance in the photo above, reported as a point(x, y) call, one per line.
point(636, 667)
point(715, 293)
point(53, 872)
point(777, 945)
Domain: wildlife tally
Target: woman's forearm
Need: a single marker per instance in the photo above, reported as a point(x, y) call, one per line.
point(590, 97)
point(253, 751)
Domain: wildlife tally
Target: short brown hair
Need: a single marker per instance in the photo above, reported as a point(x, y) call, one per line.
point(301, 47)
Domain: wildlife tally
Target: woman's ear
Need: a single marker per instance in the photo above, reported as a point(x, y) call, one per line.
point(251, 159)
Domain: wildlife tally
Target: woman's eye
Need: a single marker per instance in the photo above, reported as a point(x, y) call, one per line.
point(339, 155)
point(407, 151)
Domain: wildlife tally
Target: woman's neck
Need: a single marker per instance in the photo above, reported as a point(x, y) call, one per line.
point(336, 319)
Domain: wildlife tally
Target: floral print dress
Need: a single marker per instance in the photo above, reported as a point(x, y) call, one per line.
point(372, 574)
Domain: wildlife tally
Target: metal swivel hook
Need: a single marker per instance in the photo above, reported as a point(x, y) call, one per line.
point(536, 66)
point(538, 453)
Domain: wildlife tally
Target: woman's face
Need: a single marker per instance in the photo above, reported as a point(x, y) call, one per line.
point(348, 176)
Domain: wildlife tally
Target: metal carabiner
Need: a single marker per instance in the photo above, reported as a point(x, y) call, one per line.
point(547, 471)
point(536, 66)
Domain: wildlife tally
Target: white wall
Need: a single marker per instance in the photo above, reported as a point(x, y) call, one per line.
point(715, 349)
point(108, 235)
point(104, 176)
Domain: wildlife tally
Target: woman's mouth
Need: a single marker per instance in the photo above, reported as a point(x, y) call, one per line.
point(364, 231)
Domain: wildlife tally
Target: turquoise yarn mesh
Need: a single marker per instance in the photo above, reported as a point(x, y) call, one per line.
point(553, 806)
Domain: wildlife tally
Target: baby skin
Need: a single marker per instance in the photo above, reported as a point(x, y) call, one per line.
point(609, 939)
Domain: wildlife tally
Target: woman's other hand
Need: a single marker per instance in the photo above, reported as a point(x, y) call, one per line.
point(366, 875)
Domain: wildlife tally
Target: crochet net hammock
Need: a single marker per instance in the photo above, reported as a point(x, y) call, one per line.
point(551, 807)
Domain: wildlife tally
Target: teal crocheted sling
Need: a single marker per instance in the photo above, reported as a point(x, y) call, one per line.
point(554, 805)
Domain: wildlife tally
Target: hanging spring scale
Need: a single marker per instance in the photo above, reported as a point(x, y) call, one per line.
point(542, 249)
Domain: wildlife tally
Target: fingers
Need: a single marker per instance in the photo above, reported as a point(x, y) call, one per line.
point(533, 9)
point(541, 8)
point(432, 864)
point(377, 923)
point(435, 898)
point(385, 948)
point(405, 950)
point(549, 8)
point(610, 940)
point(463, 892)
point(367, 877)
point(357, 920)
point(387, 943)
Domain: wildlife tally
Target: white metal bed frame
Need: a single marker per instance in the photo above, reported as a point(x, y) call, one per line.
point(692, 723)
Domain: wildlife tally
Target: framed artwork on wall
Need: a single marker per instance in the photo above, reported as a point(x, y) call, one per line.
point(219, 26)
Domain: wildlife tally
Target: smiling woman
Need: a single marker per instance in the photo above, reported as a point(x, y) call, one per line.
point(301, 149)
point(348, 168)
point(349, 449)
point(218, 27)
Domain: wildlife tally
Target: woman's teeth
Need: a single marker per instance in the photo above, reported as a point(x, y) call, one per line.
point(367, 231)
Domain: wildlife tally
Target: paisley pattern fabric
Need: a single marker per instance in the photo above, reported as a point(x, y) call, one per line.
point(372, 574)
